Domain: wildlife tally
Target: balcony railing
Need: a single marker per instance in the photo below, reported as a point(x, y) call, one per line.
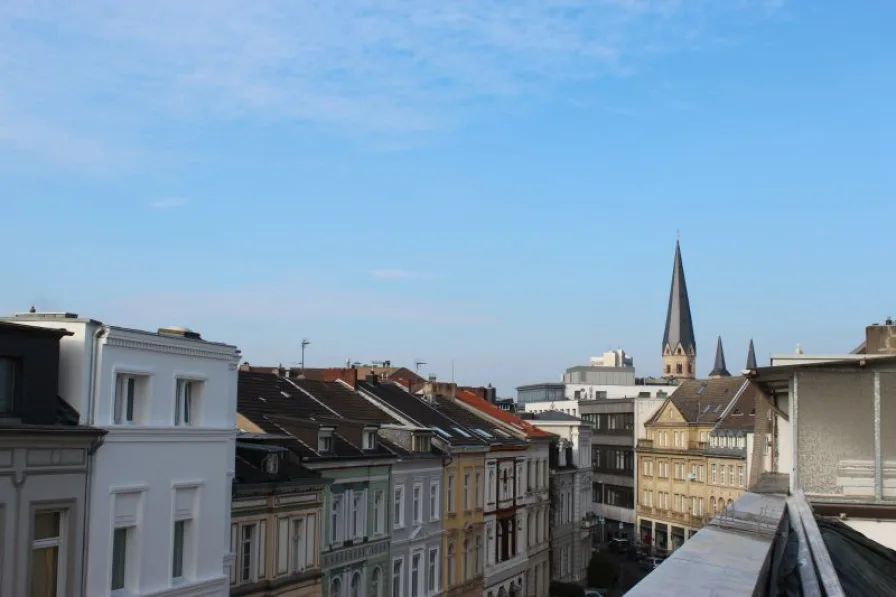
point(645, 443)
point(648, 444)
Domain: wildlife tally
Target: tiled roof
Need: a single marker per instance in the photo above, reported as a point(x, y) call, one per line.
point(742, 413)
point(298, 408)
point(250, 468)
point(704, 400)
point(502, 415)
point(475, 423)
point(344, 401)
point(422, 413)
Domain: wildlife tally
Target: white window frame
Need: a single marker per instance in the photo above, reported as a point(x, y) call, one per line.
point(325, 441)
point(185, 401)
point(337, 522)
point(126, 405)
point(369, 439)
point(416, 590)
point(60, 542)
point(184, 542)
point(449, 494)
point(417, 503)
point(298, 545)
point(466, 499)
point(359, 514)
point(252, 552)
point(128, 531)
point(398, 500)
point(397, 588)
point(379, 506)
point(434, 511)
point(432, 572)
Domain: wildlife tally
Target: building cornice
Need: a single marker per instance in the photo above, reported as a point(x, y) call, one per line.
point(127, 434)
point(155, 343)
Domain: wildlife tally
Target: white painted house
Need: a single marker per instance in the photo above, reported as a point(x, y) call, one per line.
point(158, 509)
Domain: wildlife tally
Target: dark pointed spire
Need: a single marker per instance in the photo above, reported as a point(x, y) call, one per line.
point(719, 369)
point(679, 325)
point(751, 356)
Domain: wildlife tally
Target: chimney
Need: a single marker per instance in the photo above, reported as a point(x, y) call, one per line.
point(881, 339)
point(371, 378)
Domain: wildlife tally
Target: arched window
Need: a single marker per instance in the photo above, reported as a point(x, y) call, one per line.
point(502, 592)
point(336, 587)
point(449, 573)
point(377, 582)
point(729, 504)
point(355, 590)
point(712, 505)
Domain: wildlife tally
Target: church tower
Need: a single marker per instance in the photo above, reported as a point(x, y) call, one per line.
point(679, 343)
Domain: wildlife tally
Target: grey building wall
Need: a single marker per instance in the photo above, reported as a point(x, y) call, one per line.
point(42, 471)
point(564, 526)
point(417, 538)
point(600, 376)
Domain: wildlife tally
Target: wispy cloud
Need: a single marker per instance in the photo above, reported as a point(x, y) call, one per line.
point(168, 203)
point(369, 65)
point(400, 274)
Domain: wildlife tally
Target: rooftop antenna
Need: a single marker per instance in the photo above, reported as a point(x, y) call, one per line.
point(417, 364)
point(452, 370)
point(305, 342)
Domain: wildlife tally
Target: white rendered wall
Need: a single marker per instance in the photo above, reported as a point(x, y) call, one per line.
point(141, 468)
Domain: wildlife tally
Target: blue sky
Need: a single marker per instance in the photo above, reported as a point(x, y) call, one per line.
point(493, 183)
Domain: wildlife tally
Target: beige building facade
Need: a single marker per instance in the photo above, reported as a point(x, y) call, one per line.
point(693, 462)
point(275, 529)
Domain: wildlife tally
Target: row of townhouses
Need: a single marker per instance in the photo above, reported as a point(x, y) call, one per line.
point(137, 463)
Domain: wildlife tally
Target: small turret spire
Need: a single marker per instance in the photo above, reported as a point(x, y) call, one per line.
point(751, 356)
point(719, 369)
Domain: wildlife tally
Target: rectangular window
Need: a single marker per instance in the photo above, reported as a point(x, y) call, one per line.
point(324, 441)
point(358, 507)
point(247, 552)
point(183, 410)
point(47, 549)
point(466, 497)
point(740, 476)
point(378, 511)
point(724, 475)
point(369, 440)
point(713, 473)
point(177, 549)
point(731, 474)
point(433, 501)
point(119, 557)
point(397, 577)
point(126, 398)
point(336, 524)
point(477, 487)
point(416, 585)
point(297, 544)
point(398, 507)
point(450, 494)
point(417, 499)
point(9, 369)
point(433, 571)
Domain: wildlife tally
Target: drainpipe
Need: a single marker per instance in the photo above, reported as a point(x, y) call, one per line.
point(92, 390)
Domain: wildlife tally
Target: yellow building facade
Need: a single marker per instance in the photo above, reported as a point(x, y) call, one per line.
point(275, 534)
point(692, 462)
point(463, 540)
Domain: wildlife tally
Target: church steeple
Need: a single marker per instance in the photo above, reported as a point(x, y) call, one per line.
point(751, 356)
point(679, 343)
point(719, 369)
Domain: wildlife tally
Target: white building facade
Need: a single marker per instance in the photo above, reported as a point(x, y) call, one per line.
point(158, 508)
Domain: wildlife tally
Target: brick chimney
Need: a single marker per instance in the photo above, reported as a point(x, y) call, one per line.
point(881, 339)
point(349, 375)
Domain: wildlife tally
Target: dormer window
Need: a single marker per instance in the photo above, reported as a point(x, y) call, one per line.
point(325, 440)
point(369, 439)
point(272, 464)
point(422, 443)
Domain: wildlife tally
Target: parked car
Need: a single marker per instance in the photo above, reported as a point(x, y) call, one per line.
point(651, 563)
point(593, 593)
point(619, 545)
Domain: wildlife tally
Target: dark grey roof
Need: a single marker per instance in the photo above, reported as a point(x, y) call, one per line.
point(719, 369)
point(554, 415)
point(679, 325)
point(751, 356)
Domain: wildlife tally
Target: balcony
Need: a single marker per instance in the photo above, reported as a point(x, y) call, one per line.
point(646, 444)
point(692, 447)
